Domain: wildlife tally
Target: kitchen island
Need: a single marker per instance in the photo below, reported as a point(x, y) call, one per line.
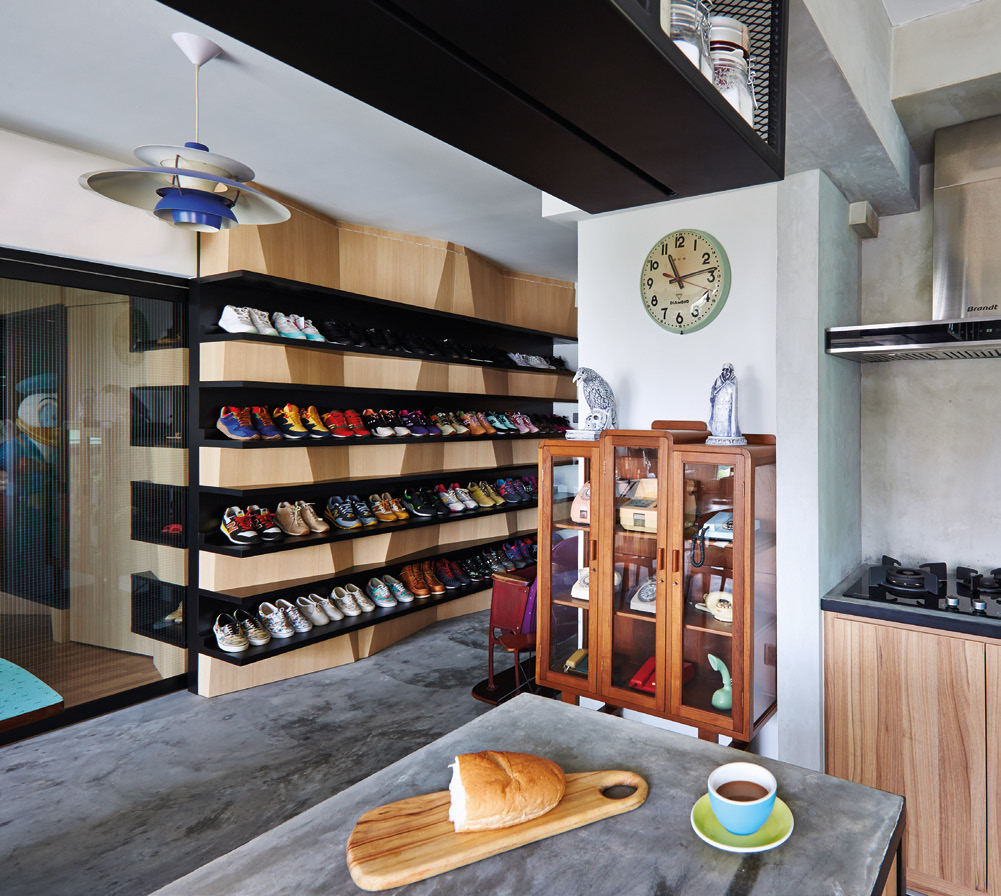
point(844, 840)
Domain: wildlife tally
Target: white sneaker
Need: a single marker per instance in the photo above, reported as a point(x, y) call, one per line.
point(312, 612)
point(464, 497)
point(299, 622)
point(361, 598)
point(236, 320)
point(256, 633)
point(260, 320)
point(285, 327)
point(306, 326)
point(536, 361)
point(451, 500)
point(348, 605)
point(228, 634)
point(328, 607)
point(274, 620)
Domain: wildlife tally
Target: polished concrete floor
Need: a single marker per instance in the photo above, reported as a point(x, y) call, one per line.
point(126, 803)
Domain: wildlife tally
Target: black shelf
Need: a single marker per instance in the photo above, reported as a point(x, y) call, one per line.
point(156, 506)
point(152, 600)
point(215, 439)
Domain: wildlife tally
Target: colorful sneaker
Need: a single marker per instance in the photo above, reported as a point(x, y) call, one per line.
point(361, 598)
point(238, 527)
point(362, 511)
point(410, 421)
point(306, 327)
point(264, 523)
point(289, 519)
point(314, 424)
point(523, 422)
point(460, 428)
point(263, 324)
point(473, 569)
point(413, 579)
point(287, 419)
point(450, 499)
point(391, 418)
point(431, 498)
point(379, 591)
point(491, 493)
point(459, 573)
point(345, 602)
point(341, 513)
point(252, 628)
point(228, 634)
point(235, 423)
point(286, 327)
point(398, 589)
point(262, 422)
point(381, 509)
point(328, 606)
point(481, 498)
point(488, 427)
point(463, 496)
point(312, 611)
point(235, 319)
point(493, 563)
point(494, 557)
point(309, 516)
point(430, 579)
point(394, 504)
point(443, 570)
point(415, 503)
point(356, 424)
point(423, 421)
point(514, 555)
point(507, 490)
point(472, 423)
point(531, 486)
point(299, 622)
point(376, 425)
point(274, 620)
point(337, 424)
point(445, 427)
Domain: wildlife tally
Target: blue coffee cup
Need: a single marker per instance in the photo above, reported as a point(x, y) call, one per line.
point(741, 816)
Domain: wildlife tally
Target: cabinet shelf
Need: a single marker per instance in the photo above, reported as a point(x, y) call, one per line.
point(580, 527)
point(572, 602)
point(636, 614)
point(711, 625)
point(215, 439)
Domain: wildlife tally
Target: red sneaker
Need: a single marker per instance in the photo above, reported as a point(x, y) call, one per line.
point(355, 424)
point(337, 424)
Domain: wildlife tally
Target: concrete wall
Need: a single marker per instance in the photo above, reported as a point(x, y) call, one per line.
point(44, 209)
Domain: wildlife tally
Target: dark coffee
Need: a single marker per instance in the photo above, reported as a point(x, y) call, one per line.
point(742, 791)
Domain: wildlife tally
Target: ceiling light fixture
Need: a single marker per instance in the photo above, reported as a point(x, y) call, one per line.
point(188, 186)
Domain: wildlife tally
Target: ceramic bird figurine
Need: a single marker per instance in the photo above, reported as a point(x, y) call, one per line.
point(723, 698)
point(600, 399)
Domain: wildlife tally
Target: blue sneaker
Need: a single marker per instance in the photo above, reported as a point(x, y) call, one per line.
point(341, 514)
point(235, 423)
point(263, 423)
point(361, 510)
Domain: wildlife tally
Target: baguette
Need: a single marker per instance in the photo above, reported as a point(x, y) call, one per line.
point(491, 790)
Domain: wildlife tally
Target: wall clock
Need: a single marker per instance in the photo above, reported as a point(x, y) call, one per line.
point(685, 280)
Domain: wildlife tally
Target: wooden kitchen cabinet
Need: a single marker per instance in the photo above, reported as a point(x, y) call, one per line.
point(909, 710)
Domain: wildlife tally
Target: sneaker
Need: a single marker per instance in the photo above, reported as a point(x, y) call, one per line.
point(493, 563)
point(445, 427)
point(514, 555)
point(236, 320)
point(177, 617)
point(289, 519)
point(260, 320)
point(473, 570)
point(460, 428)
point(415, 503)
point(306, 327)
point(307, 512)
point(379, 591)
point(287, 419)
point(274, 621)
point(238, 527)
point(508, 492)
point(530, 485)
point(450, 499)
point(423, 422)
point(356, 424)
point(519, 487)
point(381, 509)
point(262, 422)
point(341, 513)
point(398, 589)
point(235, 423)
point(299, 622)
point(495, 557)
point(328, 606)
point(413, 579)
point(345, 602)
point(523, 422)
point(362, 511)
point(251, 627)
point(376, 425)
point(459, 573)
point(314, 425)
point(472, 424)
point(410, 421)
point(228, 634)
point(390, 418)
point(499, 424)
point(443, 571)
point(336, 333)
point(264, 523)
point(312, 611)
point(463, 496)
point(479, 496)
point(491, 493)
point(337, 424)
point(361, 598)
point(431, 498)
point(286, 327)
point(488, 427)
point(394, 504)
point(430, 579)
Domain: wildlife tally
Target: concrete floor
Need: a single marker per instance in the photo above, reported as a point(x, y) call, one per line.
point(128, 802)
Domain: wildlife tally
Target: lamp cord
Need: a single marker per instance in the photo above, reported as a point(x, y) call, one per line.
point(197, 68)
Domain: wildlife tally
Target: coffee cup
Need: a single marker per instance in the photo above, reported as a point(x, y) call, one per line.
point(742, 796)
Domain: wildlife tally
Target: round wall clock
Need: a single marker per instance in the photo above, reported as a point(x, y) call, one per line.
point(685, 280)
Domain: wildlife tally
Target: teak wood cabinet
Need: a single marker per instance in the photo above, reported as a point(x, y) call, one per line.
point(673, 527)
point(917, 712)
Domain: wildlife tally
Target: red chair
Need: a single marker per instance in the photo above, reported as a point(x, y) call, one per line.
point(512, 619)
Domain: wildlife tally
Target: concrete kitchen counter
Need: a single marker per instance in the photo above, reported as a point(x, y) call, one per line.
point(844, 839)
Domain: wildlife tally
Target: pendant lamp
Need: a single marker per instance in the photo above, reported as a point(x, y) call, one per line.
point(188, 186)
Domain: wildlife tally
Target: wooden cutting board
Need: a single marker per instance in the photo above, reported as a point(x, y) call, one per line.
point(412, 839)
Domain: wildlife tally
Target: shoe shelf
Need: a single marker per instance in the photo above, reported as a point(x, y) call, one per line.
point(215, 439)
point(152, 601)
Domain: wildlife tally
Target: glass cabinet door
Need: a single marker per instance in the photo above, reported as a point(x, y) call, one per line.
point(632, 569)
point(566, 560)
point(708, 584)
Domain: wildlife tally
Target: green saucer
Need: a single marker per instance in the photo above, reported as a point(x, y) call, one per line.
point(772, 833)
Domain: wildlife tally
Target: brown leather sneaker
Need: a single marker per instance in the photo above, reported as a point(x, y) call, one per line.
point(310, 518)
point(427, 570)
point(413, 580)
point(290, 520)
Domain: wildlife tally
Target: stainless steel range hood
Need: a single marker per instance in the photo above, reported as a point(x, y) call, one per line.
point(966, 289)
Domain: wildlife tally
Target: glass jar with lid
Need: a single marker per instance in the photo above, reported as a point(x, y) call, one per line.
point(686, 22)
point(729, 47)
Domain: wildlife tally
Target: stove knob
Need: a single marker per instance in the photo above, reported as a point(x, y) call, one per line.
point(979, 606)
point(952, 603)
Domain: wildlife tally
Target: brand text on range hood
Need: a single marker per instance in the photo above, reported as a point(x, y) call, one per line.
point(966, 289)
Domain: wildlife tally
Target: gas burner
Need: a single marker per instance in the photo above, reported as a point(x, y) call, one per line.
point(977, 584)
point(890, 580)
point(905, 578)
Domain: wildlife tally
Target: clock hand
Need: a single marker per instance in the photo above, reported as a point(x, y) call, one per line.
point(677, 278)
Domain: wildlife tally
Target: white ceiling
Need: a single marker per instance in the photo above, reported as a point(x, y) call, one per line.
point(104, 76)
point(902, 11)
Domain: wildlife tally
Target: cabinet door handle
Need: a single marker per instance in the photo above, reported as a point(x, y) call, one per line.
point(660, 559)
point(675, 561)
point(593, 551)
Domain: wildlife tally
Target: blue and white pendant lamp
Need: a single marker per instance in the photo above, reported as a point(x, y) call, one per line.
point(188, 186)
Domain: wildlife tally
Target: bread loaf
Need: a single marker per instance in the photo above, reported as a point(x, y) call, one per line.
point(493, 789)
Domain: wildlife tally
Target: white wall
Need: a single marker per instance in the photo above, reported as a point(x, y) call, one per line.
point(44, 209)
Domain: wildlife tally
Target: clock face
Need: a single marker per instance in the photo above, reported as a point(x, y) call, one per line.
point(685, 280)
